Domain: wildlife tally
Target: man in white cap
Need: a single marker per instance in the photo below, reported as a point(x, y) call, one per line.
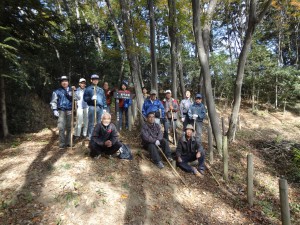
point(61, 104)
point(185, 104)
point(82, 111)
point(171, 108)
point(94, 95)
point(188, 150)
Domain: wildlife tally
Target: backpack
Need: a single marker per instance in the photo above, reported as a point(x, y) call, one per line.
point(126, 152)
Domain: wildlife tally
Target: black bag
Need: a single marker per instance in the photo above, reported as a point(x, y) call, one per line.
point(126, 152)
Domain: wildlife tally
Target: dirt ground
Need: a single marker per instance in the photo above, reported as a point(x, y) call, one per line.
point(40, 184)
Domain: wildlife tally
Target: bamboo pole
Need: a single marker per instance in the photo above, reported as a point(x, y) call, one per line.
point(284, 202)
point(250, 179)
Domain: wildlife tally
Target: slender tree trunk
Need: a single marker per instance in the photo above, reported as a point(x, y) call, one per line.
point(3, 109)
point(172, 34)
point(203, 59)
point(154, 79)
point(252, 22)
point(132, 53)
point(180, 67)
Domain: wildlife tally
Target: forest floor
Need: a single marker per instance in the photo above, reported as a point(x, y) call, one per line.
point(40, 184)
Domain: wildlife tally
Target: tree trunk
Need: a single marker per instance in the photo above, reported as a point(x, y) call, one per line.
point(132, 53)
point(252, 22)
point(3, 109)
point(154, 79)
point(180, 67)
point(172, 34)
point(203, 59)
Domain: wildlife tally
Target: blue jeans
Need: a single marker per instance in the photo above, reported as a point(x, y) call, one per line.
point(91, 118)
point(190, 157)
point(121, 110)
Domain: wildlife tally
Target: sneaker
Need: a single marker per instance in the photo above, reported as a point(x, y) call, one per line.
point(201, 171)
point(61, 147)
point(170, 159)
point(159, 164)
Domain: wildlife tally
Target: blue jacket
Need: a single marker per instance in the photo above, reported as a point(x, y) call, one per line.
point(61, 99)
point(198, 109)
point(154, 106)
point(101, 99)
point(127, 103)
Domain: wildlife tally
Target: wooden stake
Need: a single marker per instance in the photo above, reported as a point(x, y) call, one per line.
point(250, 179)
point(225, 158)
point(284, 202)
point(72, 120)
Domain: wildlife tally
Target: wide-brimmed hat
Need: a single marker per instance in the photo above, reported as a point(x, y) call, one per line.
point(189, 126)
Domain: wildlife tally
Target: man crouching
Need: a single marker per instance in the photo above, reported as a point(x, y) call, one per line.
point(188, 150)
point(152, 139)
point(104, 139)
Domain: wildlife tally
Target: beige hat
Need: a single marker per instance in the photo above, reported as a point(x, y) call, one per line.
point(189, 126)
point(153, 92)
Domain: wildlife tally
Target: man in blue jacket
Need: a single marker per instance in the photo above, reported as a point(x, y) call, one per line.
point(61, 104)
point(153, 105)
point(94, 95)
point(197, 113)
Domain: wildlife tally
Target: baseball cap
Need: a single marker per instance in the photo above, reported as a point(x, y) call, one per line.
point(82, 80)
point(198, 96)
point(153, 92)
point(63, 78)
point(95, 76)
point(168, 91)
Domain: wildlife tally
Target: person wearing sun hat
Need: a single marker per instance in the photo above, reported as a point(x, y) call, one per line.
point(197, 113)
point(93, 94)
point(188, 150)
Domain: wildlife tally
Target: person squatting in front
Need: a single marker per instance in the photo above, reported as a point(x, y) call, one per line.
point(152, 104)
point(152, 139)
point(61, 104)
point(94, 95)
point(171, 107)
point(197, 114)
point(105, 138)
point(190, 149)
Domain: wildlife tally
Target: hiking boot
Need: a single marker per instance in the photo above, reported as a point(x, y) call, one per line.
point(201, 171)
point(159, 164)
point(196, 173)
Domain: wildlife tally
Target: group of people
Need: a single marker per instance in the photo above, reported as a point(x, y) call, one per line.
point(94, 122)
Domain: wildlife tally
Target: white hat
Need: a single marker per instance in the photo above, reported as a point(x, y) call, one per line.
point(168, 91)
point(82, 80)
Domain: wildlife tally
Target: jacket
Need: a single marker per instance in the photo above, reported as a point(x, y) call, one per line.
point(185, 104)
point(81, 104)
point(198, 109)
point(150, 133)
point(101, 99)
point(101, 134)
point(153, 106)
point(166, 104)
point(182, 148)
point(108, 95)
point(61, 99)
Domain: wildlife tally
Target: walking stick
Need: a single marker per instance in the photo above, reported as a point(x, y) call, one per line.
point(95, 107)
point(72, 120)
point(174, 127)
point(171, 165)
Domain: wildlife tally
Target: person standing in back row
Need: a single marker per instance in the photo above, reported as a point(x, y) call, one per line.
point(197, 113)
point(82, 111)
point(152, 104)
point(94, 95)
point(124, 105)
point(185, 104)
point(61, 104)
point(171, 107)
point(108, 95)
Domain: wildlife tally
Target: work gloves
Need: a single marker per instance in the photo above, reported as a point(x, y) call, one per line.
point(94, 97)
point(157, 143)
point(183, 119)
point(56, 113)
point(195, 116)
